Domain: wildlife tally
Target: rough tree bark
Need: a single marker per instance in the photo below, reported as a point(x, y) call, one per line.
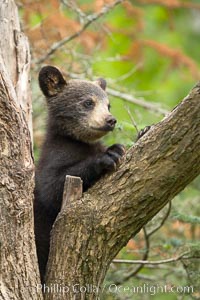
point(19, 268)
point(90, 231)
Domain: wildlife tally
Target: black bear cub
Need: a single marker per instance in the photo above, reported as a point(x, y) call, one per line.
point(78, 115)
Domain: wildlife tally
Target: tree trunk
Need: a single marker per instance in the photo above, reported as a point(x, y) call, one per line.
point(18, 256)
point(89, 232)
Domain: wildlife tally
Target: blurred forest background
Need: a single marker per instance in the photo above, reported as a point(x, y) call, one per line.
point(149, 53)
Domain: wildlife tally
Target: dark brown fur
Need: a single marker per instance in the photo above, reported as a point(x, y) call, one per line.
point(78, 115)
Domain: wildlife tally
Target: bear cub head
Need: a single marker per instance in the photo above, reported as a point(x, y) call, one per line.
point(77, 108)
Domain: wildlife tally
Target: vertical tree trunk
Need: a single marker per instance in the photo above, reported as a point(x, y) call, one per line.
point(18, 256)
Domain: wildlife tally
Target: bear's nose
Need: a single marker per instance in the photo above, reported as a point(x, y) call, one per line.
point(111, 121)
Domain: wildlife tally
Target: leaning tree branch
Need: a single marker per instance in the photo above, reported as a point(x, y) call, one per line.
point(94, 228)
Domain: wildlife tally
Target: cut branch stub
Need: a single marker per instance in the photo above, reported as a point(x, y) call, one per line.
point(72, 190)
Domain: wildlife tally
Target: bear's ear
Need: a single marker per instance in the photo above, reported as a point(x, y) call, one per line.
point(51, 81)
point(102, 83)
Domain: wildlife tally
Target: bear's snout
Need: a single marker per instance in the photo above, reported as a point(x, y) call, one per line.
point(110, 122)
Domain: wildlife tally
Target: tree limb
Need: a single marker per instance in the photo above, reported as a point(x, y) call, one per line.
point(151, 262)
point(147, 236)
point(145, 104)
point(89, 20)
point(153, 171)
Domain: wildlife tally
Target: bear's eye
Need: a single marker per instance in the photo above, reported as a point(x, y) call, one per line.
point(109, 107)
point(89, 103)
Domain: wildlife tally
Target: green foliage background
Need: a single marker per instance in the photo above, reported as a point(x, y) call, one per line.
point(152, 53)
